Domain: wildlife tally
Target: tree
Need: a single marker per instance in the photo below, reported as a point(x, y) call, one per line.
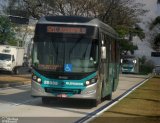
point(15, 7)
point(122, 15)
point(127, 11)
point(7, 35)
point(155, 22)
point(155, 42)
point(126, 46)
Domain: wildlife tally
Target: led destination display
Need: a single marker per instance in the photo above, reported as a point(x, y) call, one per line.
point(73, 30)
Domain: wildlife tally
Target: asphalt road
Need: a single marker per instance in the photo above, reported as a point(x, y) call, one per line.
point(16, 104)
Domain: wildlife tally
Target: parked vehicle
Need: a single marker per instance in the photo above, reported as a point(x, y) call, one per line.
point(156, 70)
point(11, 58)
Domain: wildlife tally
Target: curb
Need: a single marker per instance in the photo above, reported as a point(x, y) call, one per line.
point(13, 84)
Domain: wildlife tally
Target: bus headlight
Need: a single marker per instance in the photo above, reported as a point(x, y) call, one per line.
point(91, 81)
point(87, 83)
point(36, 79)
point(39, 80)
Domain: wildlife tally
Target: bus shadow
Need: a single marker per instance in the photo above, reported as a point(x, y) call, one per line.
point(69, 103)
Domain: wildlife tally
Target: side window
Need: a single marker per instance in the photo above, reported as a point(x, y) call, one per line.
point(94, 50)
point(113, 51)
point(117, 52)
point(107, 39)
point(108, 53)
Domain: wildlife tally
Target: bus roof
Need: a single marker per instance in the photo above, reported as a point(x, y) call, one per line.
point(77, 20)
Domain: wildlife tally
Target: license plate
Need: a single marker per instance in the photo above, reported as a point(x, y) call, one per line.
point(62, 95)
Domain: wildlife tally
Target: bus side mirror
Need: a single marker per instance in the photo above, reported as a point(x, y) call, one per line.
point(103, 52)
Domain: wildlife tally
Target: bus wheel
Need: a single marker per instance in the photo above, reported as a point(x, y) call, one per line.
point(108, 97)
point(95, 102)
point(45, 100)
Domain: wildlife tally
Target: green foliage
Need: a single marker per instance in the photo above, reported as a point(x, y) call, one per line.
point(122, 30)
point(145, 67)
point(155, 22)
point(132, 31)
point(120, 14)
point(139, 32)
point(156, 40)
point(7, 35)
point(142, 60)
point(127, 46)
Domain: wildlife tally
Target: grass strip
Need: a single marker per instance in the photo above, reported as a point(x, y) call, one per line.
point(141, 106)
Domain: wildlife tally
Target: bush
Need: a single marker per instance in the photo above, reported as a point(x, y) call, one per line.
point(146, 67)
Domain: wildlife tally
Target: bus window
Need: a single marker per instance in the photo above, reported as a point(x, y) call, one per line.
point(81, 53)
point(113, 51)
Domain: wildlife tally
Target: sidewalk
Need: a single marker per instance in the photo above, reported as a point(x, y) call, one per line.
point(14, 80)
point(141, 106)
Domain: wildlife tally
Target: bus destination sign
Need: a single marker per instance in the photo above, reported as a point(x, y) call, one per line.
point(73, 30)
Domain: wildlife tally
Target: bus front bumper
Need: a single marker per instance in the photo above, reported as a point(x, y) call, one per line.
point(90, 92)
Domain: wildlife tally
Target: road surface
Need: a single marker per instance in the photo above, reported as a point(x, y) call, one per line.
point(16, 104)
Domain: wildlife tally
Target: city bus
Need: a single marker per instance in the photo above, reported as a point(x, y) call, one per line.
point(74, 57)
point(130, 64)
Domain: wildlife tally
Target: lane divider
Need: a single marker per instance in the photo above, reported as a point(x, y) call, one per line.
point(105, 107)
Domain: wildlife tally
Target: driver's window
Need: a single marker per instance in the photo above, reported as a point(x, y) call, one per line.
point(94, 51)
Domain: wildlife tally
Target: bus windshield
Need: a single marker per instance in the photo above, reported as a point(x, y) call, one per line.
point(55, 53)
point(128, 61)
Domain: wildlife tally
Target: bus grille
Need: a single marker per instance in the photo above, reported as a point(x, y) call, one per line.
point(62, 91)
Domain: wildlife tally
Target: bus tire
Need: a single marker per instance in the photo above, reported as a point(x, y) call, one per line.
point(45, 100)
point(108, 97)
point(95, 102)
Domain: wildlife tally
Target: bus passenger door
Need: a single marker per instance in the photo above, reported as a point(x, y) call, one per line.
point(104, 69)
point(116, 64)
